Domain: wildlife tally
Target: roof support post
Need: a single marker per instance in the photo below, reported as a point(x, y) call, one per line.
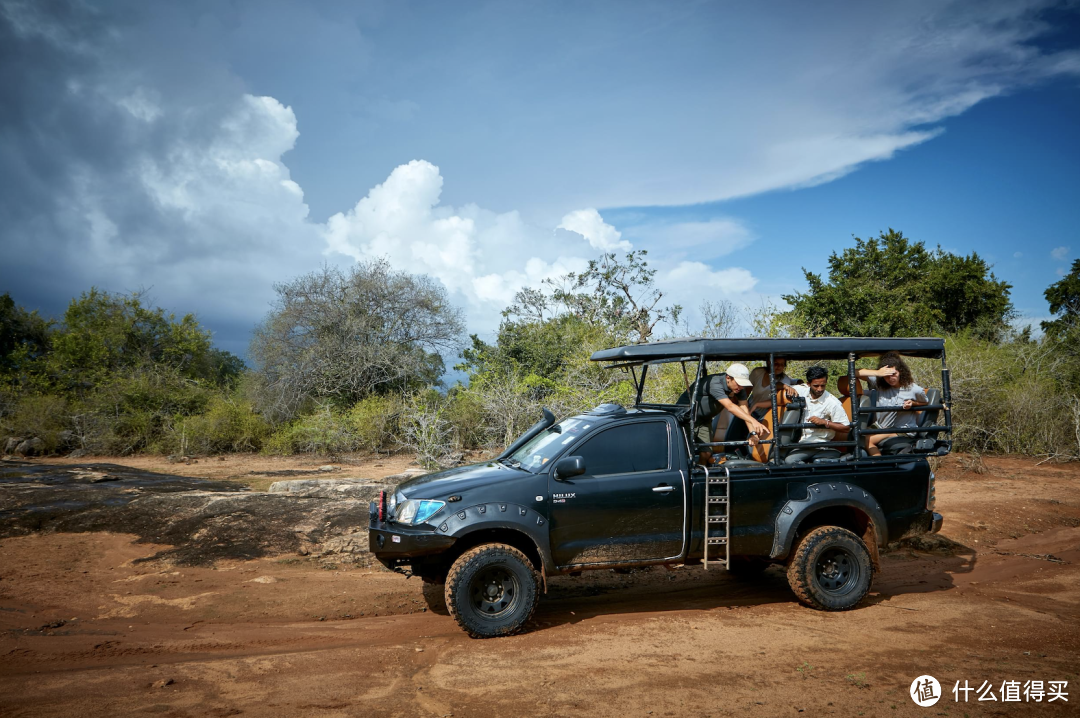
point(853, 388)
point(775, 415)
point(946, 394)
point(694, 401)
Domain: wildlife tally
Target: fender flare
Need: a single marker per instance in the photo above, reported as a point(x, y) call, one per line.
point(459, 522)
point(823, 495)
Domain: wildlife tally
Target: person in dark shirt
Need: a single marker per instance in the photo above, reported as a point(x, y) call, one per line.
point(719, 392)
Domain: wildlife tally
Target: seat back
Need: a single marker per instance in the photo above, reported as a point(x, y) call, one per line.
point(843, 387)
point(761, 452)
point(930, 417)
point(796, 409)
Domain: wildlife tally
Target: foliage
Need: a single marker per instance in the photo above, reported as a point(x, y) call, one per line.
point(1064, 299)
point(426, 430)
point(225, 425)
point(105, 334)
point(891, 286)
point(375, 422)
point(620, 296)
point(43, 416)
point(337, 336)
point(24, 337)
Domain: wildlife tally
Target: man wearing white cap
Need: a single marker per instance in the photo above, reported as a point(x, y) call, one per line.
point(724, 391)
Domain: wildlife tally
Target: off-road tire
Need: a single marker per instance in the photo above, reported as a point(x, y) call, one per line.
point(830, 569)
point(435, 596)
point(492, 590)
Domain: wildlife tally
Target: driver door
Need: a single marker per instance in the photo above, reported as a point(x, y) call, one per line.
point(627, 506)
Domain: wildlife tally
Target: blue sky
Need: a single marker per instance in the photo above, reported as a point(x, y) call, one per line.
point(205, 151)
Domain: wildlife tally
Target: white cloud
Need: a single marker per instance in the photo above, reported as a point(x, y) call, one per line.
point(714, 238)
point(590, 225)
point(1017, 255)
point(700, 277)
point(1060, 253)
point(484, 258)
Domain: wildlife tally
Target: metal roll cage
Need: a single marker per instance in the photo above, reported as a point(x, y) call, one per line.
point(856, 434)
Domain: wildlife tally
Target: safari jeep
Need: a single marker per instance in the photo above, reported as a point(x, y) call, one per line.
point(617, 488)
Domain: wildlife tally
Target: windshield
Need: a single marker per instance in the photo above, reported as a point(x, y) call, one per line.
point(543, 447)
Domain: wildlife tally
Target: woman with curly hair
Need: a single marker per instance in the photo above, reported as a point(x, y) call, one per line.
point(895, 387)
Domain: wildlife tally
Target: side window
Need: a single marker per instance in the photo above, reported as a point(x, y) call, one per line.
point(640, 446)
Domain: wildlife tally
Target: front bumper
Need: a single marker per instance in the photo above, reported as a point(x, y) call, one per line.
point(394, 544)
point(935, 526)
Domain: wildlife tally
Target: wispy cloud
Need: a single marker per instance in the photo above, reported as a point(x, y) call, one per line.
point(1060, 253)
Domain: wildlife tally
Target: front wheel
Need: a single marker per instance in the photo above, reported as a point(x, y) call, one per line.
point(831, 569)
point(492, 590)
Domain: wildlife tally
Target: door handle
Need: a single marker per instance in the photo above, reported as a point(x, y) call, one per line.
point(663, 489)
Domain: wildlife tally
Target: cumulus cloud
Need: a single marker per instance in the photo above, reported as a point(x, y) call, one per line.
point(590, 225)
point(1060, 253)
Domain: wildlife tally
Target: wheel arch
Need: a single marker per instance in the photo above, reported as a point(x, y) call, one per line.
point(830, 504)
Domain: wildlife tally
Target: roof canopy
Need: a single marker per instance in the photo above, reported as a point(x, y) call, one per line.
point(760, 349)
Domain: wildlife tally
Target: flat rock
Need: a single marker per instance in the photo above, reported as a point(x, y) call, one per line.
point(405, 475)
point(365, 489)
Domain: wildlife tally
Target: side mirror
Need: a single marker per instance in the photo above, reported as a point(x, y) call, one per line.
point(569, 466)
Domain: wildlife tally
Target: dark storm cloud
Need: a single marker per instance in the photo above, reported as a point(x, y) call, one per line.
point(115, 123)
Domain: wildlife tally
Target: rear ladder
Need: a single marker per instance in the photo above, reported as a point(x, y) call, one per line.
point(717, 518)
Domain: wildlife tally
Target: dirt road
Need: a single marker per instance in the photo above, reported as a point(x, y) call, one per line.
point(87, 630)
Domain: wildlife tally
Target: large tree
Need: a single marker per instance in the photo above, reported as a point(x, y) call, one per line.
point(891, 286)
point(1064, 299)
point(339, 336)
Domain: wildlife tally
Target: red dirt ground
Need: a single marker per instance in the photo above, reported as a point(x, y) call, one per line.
point(85, 632)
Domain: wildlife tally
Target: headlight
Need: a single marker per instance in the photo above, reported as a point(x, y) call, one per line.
point(416, 511)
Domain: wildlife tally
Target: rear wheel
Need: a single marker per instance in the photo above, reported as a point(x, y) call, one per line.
point(492, 590)
point(830, 569)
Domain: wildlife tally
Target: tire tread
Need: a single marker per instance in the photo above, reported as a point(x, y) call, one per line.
point(460, 568)
point(799, 572)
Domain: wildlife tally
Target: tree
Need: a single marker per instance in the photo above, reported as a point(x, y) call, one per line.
point(1064, 299)
point(619, 296)
point(103, 335)
point(891, 286)
point(339, 336)
point(24, 336)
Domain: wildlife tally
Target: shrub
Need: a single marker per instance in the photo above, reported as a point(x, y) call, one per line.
point(375, 422)
point(325, 432)
point(43, 416)
point(226, 425)
point(427, 430)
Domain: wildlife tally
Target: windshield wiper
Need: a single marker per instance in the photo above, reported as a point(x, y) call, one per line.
point(512, 463)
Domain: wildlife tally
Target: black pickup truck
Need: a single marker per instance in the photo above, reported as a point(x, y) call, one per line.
point(619, 488)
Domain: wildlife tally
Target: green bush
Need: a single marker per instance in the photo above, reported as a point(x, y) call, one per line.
point(375, 423)
point(43, 416)
point(325, 432)
point(226, 425)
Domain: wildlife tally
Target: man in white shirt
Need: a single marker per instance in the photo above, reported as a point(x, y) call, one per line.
point(824, 411)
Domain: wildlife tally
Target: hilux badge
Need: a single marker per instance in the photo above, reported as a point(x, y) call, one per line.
point(564, 496)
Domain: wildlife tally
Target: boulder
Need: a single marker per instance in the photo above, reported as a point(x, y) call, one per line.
point(364, 489)
point(30, 447)
point(67, 439)
point(11, 443)
point(78, 454)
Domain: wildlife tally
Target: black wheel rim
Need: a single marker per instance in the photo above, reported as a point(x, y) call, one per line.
point(837, 571)
point(493, 592)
